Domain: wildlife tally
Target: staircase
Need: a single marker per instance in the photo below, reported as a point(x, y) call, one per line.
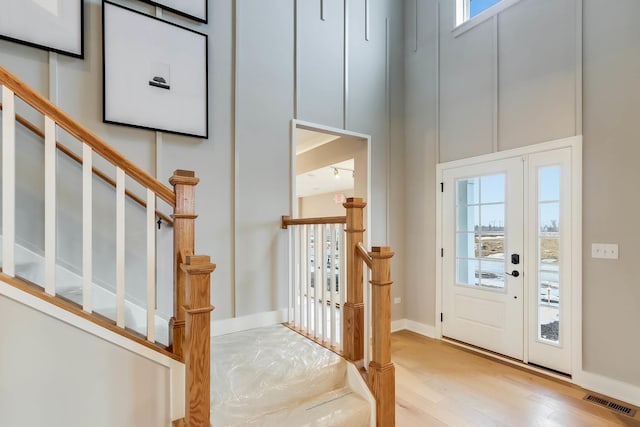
point(267, 377)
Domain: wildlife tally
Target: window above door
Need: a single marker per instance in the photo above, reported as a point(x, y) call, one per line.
point(470, 13)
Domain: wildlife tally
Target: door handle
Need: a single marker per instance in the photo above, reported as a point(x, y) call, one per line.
point(514, 273)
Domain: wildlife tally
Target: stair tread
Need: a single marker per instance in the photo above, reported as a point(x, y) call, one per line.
point(341, 407)
point(249, 365)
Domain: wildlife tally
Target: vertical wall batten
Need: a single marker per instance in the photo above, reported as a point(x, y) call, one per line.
point(120, 254)
point(151, 266)
point(8, 181)
point(367, 20)
point(87, 228)
point(49, 206)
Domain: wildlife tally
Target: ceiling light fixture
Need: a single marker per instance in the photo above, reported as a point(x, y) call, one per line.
point(336, 173)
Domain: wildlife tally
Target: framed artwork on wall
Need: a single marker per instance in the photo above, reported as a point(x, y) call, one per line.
point(194, 9)
point(54, 25)
point(155, 73)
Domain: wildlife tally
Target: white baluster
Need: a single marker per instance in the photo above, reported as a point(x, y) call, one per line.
point(292, 275)
point(87, 228)
point(151, 266)
point(309, 298)
point(342, 284)
point(120, 253)
point(304, 266)
point(317, 277)
point(332, 283)
point(49, 206)
point(296, 277)
point(8, 181)
point(366, 286)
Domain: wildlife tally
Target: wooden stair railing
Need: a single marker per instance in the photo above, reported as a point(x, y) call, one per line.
point(78, 159)
point(381, 371)
point(190, 325)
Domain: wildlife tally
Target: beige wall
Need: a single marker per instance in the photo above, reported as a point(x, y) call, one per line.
point(322, 205)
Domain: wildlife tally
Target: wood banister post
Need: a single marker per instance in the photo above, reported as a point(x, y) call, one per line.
point(184, 184)
point(381, 370)
point(197, 345)
point(353, 312)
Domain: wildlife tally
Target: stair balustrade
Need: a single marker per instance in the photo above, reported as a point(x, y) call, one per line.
point(360, 341)
point(190, 326)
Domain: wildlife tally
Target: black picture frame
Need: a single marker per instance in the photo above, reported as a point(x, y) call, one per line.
point(34, 24)
point(167, 5)
point(155, 73)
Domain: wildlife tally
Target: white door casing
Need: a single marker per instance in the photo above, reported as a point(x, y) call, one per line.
point(550, 257)
point(482, 210)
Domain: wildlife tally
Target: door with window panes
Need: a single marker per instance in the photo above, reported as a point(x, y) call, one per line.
point(506, 257)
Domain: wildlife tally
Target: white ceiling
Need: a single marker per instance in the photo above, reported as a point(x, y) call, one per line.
point(308, 140)
point(321, 180)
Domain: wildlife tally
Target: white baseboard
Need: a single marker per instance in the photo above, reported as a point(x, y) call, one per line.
point(413, 326)
point(258, 320)
point(610, 387)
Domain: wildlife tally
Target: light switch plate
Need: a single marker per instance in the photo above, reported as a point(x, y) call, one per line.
point(604, 250)
point(397, 300)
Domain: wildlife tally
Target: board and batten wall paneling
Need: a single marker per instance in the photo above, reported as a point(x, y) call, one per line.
point(611, 295)
point(420, 158)
point(264, 109)
point(467, 88)
point(320, 61)
point(537, 72)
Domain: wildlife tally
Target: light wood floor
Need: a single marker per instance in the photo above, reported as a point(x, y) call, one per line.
point(438, 384)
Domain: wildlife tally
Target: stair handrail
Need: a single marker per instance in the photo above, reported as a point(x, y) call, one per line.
point(190, 326)
point(46, 107)
point(381, 371)
point(78, 159)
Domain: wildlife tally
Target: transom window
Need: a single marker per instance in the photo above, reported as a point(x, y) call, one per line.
point(468, 9)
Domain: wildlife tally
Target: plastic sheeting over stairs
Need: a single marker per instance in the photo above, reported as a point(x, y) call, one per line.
point(275, 377)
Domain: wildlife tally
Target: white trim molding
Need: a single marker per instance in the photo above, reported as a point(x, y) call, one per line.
point(252, 321)
point(423, 329)
point(609, 387)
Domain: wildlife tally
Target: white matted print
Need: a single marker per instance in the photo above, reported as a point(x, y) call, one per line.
point(195, 9)
point(54, 25)
point(155, 73)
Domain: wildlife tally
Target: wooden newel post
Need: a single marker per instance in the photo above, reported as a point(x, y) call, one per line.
point(197, 345)
point(381, 370)
point(353, 324)
point(184, 184)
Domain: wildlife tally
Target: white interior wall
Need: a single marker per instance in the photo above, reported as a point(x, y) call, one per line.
point(56, 375)
point(515, 80)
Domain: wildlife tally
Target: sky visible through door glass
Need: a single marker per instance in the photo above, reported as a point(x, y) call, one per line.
point(477, 6)
point(493, 191)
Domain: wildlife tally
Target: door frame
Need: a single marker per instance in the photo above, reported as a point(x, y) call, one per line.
point(295, 124)
point(575, 144)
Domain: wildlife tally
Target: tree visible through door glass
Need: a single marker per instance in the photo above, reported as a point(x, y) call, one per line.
point(480, 231)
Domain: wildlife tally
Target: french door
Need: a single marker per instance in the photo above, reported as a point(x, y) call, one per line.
point(506, 256)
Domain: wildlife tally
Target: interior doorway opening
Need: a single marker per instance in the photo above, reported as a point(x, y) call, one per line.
point(328, 166)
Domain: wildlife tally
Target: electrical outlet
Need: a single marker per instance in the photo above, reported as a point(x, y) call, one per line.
point(604, 250)
point(397, 300)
